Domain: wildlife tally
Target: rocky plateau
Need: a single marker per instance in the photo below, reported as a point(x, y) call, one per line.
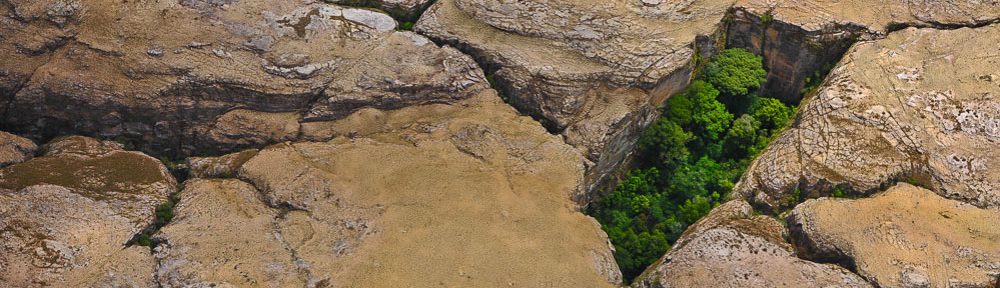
point(303, 143)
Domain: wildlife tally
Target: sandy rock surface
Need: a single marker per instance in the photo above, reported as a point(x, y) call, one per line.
point(905, 237)
point(51, 236)
point(66, 216)
point(465, 195)
point(916, 106)
point(732, 248)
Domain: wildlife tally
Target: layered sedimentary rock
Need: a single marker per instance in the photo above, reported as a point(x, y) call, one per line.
point(66, 216)
point(594, 72)
point(917, 106)
point(225, 76)
point(800, 39)
point(905, 237)
point(15, 149)
point(454, 195)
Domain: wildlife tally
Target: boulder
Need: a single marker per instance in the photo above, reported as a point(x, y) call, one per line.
point(225, 166)
point(15, 149)
point(912, 107)
point(730, 247)
point(904, 237)
point(592, 72)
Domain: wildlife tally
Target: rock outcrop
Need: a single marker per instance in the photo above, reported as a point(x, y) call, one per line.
point(730, 247)
point(14, 149)
point(801, 39)
point(227, 75)
point(51, 236)
point(66, 216)
point(130, 182)
point(593, 72)
point(917, 106)
point(459, 195)
point(905, 237)
point(402, 10)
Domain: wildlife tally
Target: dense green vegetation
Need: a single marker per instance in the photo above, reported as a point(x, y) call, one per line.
point(690, 158)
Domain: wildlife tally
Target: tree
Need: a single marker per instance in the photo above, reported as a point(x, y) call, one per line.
point(771, 113)
point(742, 138)
point(697, 110)
point(667, 142)
point(735, 72)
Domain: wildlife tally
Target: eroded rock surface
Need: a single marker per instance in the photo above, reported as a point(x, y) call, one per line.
point(593, 71)
point(404, 10)
point(51, 236)
point(224, 235)
point(917, 106)
point(905, 237)
point(730, 247)
point(130, 182)
point(227, 75)
point(66, 216)
point(464, 195)
point(14, 149)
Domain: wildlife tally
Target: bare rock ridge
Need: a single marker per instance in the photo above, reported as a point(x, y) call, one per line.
point(904, 237)
point(915, 106)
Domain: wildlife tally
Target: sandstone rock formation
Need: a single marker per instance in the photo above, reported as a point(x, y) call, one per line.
point(730, 247)
point(905, 237)
point(75, 234)
point(14, 149)
point(51, 236)
point(799, 38)
point(224, 235)
point(459, 195)
point(227, 75)
point(594, 72)
point(131, 183)
point(915, 106)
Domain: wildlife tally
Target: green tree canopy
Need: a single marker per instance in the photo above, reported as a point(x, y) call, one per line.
point(735, 72)
point(698, 110)
point(771, 113)
point(666, 142)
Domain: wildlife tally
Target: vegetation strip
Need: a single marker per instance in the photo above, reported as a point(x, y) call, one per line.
point(689, 160)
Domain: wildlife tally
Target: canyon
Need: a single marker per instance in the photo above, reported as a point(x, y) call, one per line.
point(312, 144)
